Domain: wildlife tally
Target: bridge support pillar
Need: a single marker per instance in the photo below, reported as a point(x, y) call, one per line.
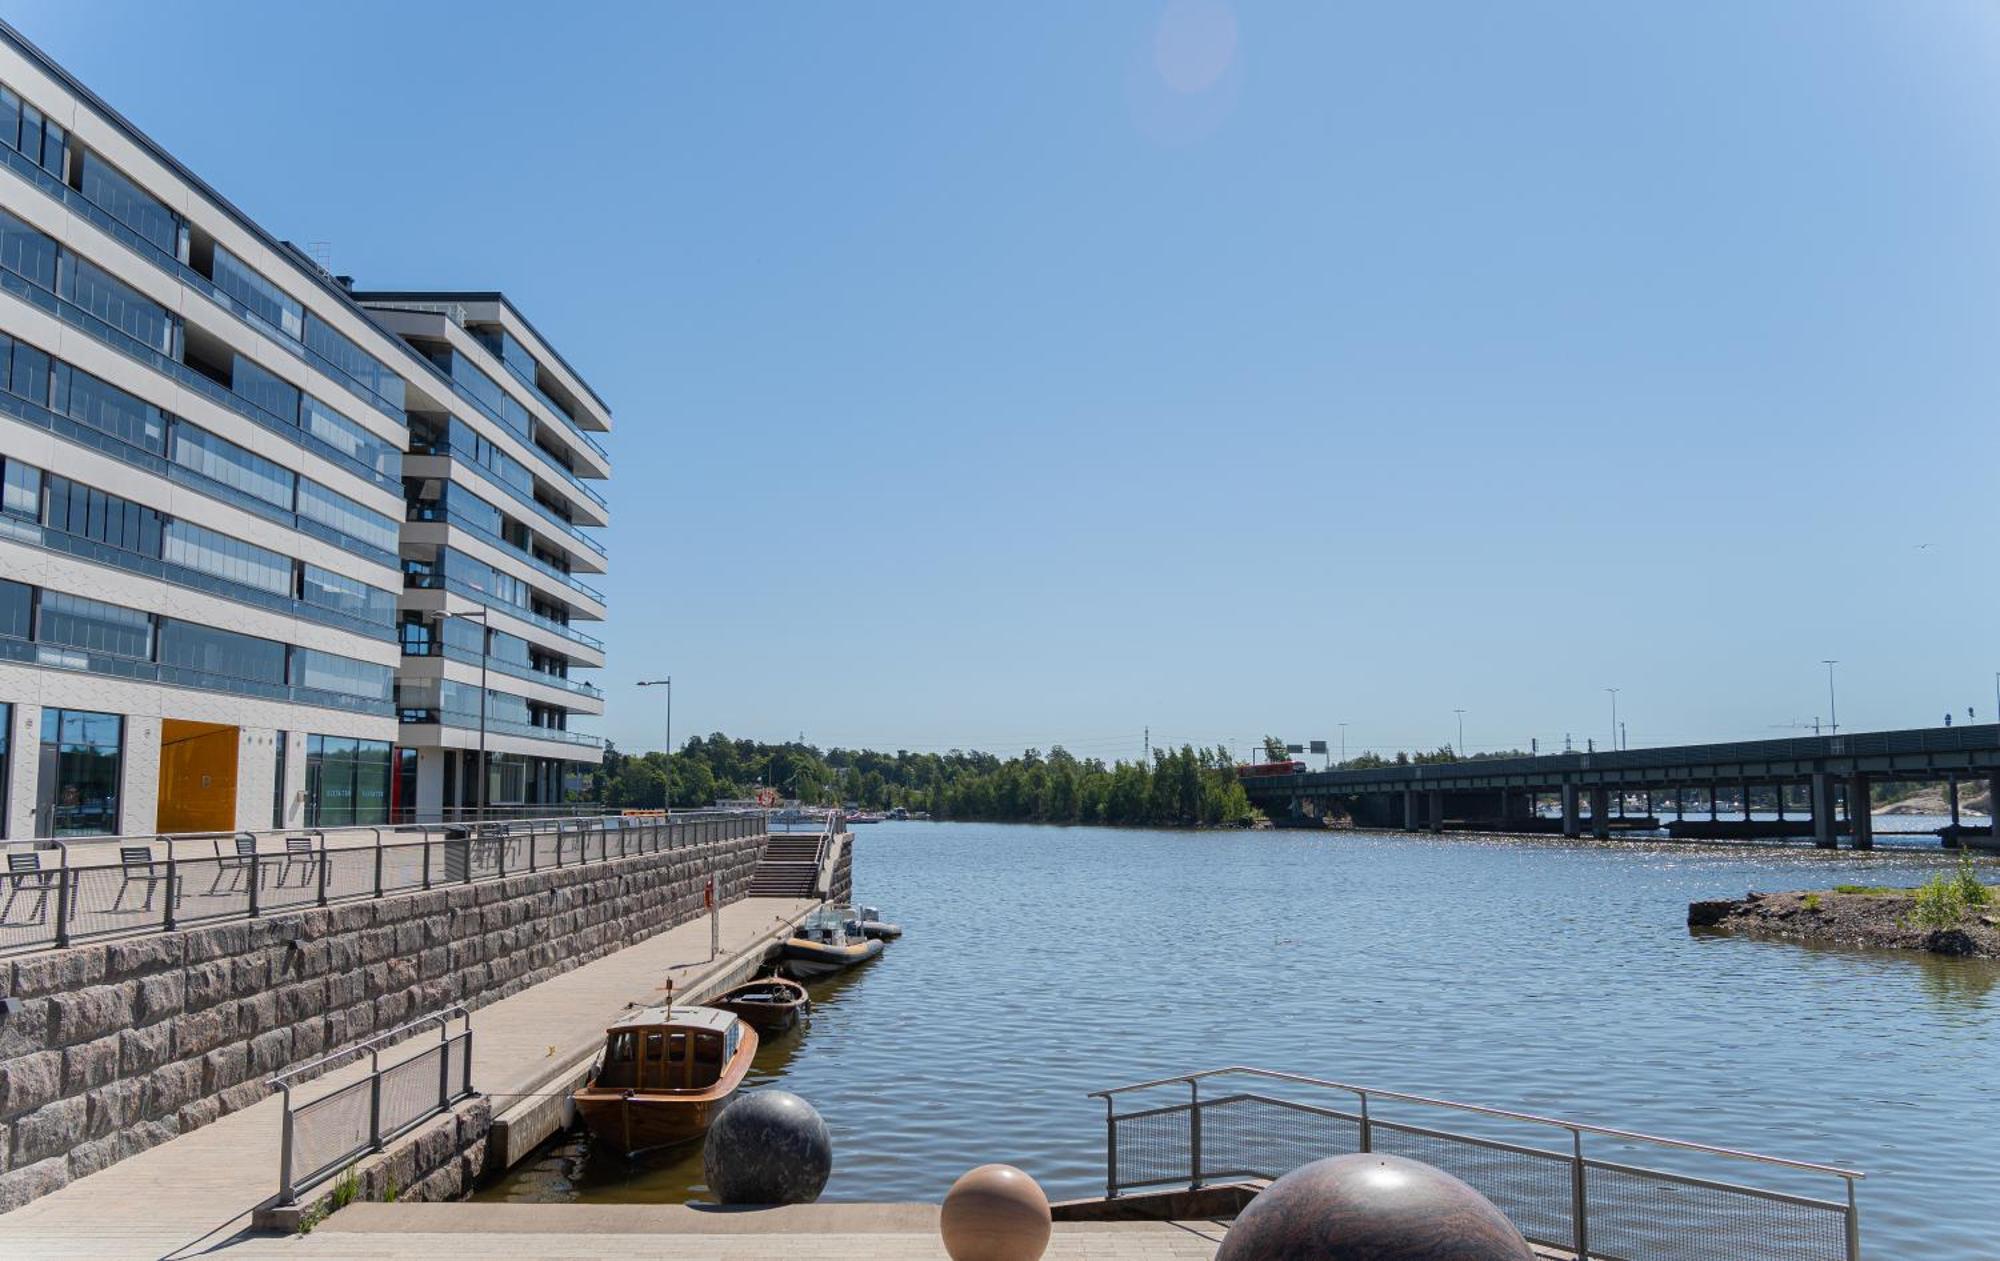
point(1409, 809)
point(1680, 803)
point(1600, 813)
point(1746, 801)
point(1781, 800)
point(1434, 810)
point(1571, 827)
point(1951, 790)
point(1822, 810)
point(1861, 811)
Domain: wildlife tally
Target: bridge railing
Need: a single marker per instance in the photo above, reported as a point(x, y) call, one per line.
point(1556, 1193)
point(57, 892)
point(1922, 740)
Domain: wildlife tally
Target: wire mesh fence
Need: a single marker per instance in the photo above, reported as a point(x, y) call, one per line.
point(1555, 1193)
point(353, 1117)
point(53, 893)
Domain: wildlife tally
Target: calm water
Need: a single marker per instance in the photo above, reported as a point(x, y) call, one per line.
point(1550, 976)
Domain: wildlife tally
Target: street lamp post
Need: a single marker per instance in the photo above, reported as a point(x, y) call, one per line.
point(1461, 733)
point(1614, 716)
point(667, 683)
point(1832, 711)
point(1343, 726)
point(485, 654)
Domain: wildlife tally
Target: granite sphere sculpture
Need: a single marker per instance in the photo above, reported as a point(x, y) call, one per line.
point(1371, 1207)
point(995, 1213)
point(767, 1147)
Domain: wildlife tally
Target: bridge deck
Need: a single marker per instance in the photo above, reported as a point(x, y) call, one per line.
point(195, 1192)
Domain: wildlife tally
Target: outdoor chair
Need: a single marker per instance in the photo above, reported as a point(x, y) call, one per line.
point(238, 868)
point(300, 857)
point(136, 866)
point(25, 875)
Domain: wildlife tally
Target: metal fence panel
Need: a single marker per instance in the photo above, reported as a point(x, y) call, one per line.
point(329, 1131)
point(1637, 1215)
point(1533, 1188)
point(412, 1090)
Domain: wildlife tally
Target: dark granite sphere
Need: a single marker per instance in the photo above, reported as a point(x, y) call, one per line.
point(767, 1147)
point(1372, 1207)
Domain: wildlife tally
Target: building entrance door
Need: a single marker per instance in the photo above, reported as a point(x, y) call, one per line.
point(197, 776)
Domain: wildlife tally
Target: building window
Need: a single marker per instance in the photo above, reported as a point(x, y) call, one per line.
point(81, 510)
point(347, 781)
point(206, 656)
point(82, 756)
point(223, 461)
point(271, 305)
point(17, 610)
point(23, 494)
point(74, 622)
point(205, 551)
point(119, 305)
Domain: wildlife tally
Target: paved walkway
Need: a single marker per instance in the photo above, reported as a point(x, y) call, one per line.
point(195, 1193)
point(810, 1232)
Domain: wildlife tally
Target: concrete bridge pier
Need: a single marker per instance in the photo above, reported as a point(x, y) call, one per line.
point(1861, 811)
point(1571, 825)
point(1409, 809)
point(1434, 810)
point(1600, 813)
point(1822, 810)
point(1951, 791)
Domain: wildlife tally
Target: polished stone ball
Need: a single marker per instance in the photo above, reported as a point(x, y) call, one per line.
point(767, 1147)
point(995, 1213)
point(1372, 1207)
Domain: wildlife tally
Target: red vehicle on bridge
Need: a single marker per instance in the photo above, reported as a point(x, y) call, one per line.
point(1258, 769)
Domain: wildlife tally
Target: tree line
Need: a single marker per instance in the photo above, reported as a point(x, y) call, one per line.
point(1182, 787)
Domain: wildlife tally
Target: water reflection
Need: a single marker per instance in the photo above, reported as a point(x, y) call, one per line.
point(1537, 974)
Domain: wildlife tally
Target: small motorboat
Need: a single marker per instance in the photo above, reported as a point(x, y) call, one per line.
point(770, 1005)
point(665, 1075)
point(873, 925)
point(864, 818)
point(826, 943)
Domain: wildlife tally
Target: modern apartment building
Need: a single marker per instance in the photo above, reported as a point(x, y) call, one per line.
point(261, 537)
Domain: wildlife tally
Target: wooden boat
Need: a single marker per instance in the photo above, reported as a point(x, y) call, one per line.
point(665, 1075)
point(770, 1005)
point(826, 943)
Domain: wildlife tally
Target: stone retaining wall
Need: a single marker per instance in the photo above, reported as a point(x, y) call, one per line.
point(117, 1046)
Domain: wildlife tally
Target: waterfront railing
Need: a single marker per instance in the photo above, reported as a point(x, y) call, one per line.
point(58, 892)
point(1559, 1196)
point(324, 1133)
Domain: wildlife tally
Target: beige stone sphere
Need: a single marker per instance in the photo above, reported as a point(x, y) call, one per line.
point(995, 1213)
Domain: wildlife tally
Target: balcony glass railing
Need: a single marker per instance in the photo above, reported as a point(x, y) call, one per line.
point(441, 582)
point(465, 656)
point(74, 315)
point(60, 657)
point(569, 421)
point(438, 513)
point(506, 726)
point(28, 170)
point(568, 529)
point(544, 459)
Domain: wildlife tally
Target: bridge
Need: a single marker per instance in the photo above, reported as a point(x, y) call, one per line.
point(1823, 780)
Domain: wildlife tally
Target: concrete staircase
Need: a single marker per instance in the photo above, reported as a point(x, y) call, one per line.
point(788, 868)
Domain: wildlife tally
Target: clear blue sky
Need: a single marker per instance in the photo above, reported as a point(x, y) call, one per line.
point(1030, 373)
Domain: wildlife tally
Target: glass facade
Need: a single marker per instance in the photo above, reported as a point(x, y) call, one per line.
point(94, 626)
point(340, 513)
point(329, 672)
point(107, 187)
point(360, 366)
point(271, 305)
point(347, 781)
point(351, 439)
point(24, 127)
point(223, 461)
point(90, 513)
point(21, 490)
point(328, 590)
point(98, 404)
point(206, 551)
point(83, 755)
point(119, 305)
point(17, 610)
point(27, 253)
point(251, 380)
point(226, 654)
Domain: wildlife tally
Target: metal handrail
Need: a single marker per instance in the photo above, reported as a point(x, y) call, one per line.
point(278, 1081)
point(1574, 1127)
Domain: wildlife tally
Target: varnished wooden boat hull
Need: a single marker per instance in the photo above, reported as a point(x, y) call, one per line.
point(637, 1123)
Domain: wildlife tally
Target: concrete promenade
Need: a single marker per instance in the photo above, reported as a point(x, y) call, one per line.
point(822, 1232)
point(195, 1193)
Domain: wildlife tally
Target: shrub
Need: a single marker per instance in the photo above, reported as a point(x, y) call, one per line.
point(1940, 902)
point(1966, 881)
point(1810, 901)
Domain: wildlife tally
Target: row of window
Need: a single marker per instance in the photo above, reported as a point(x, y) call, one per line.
point(72, 508)
point(27, 129)
point(59, 619)
point(39, 260)
point(39, 377)
point(82, 767)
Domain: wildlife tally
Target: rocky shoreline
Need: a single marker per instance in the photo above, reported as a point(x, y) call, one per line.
point(1878, 917)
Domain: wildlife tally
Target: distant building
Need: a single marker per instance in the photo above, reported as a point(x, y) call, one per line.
point(257, 528)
